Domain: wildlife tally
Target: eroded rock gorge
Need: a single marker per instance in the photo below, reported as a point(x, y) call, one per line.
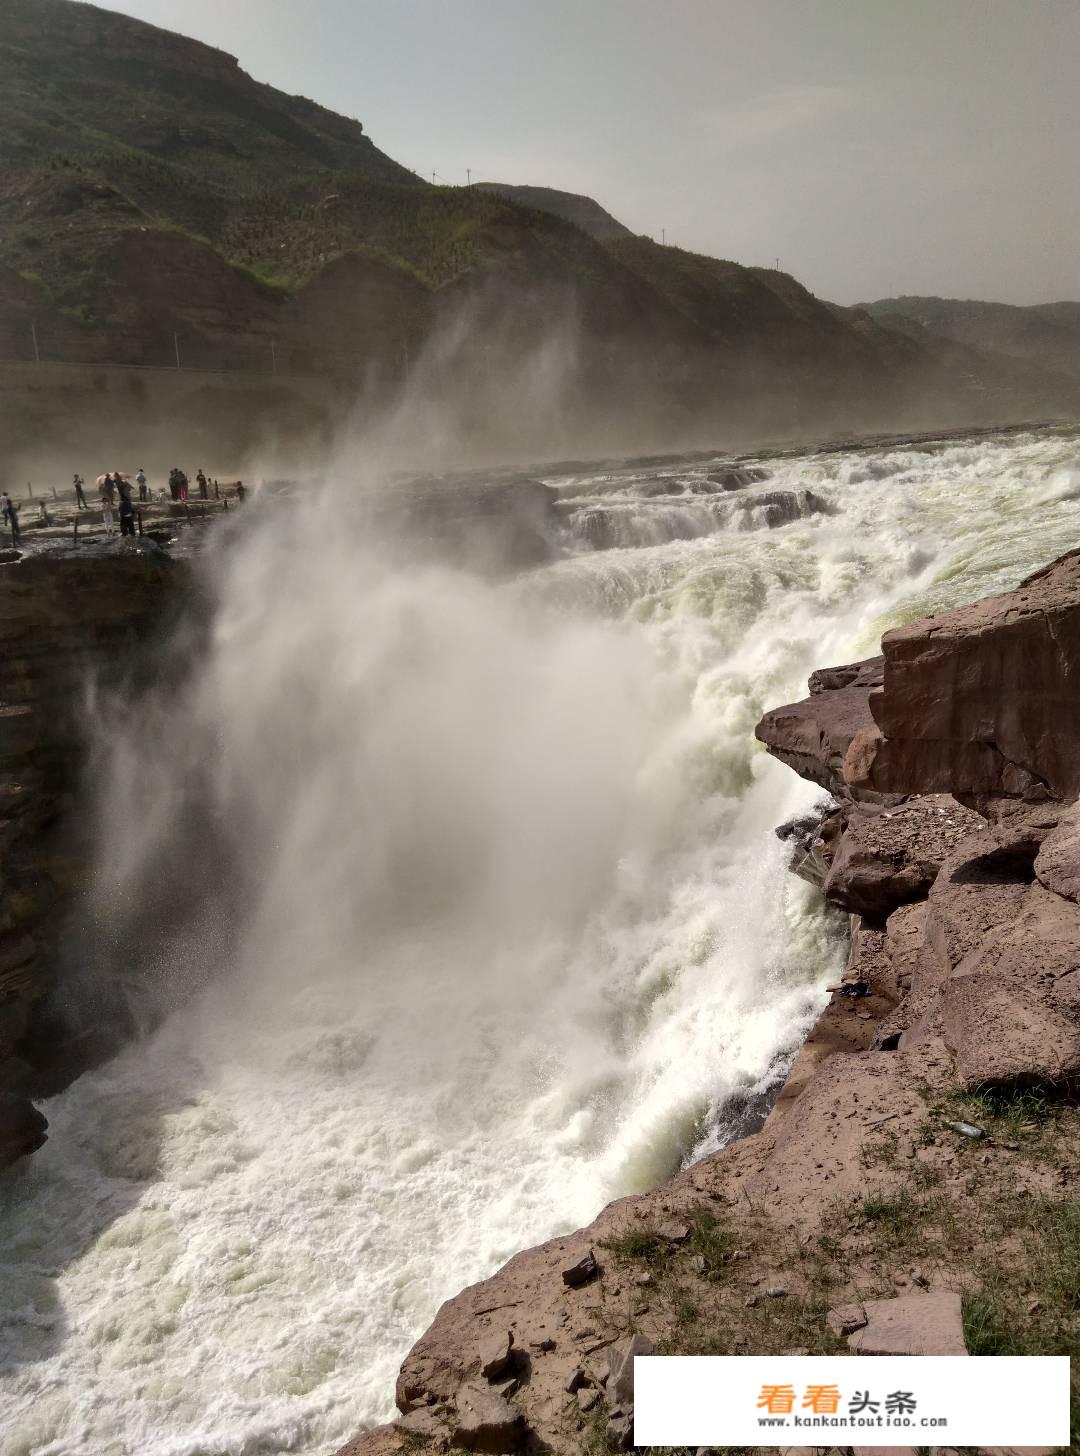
point(952, 839)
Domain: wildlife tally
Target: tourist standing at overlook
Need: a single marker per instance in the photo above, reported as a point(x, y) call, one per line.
point(107, 517)
point(13, 521)
point(80, 494)
point(140, 481)
point(201, 478)
point(127, 515)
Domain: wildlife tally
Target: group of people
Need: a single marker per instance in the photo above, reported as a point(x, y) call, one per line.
point(115, 489)
point(118, 498)
point(178, 485)
point(116, 492)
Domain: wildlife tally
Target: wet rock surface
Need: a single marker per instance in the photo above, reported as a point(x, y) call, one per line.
point(65, 618)
point(736, 477)
point(781, 507)
point(23, 1129)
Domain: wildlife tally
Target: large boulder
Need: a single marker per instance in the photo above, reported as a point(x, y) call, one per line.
point(736, 477)
point(620, 1358)
point(814, 735)
point(781, 507)
point(981, 701)
point(1010, 1011)
point(982, 885)
point(487, 1422)
point(913, 1324)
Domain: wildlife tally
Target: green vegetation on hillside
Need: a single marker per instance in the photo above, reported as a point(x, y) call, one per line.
point(133, 154)
point(1046, 334)
point(583, 212)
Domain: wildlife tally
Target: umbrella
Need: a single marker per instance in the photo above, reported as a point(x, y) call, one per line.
point(102, 478)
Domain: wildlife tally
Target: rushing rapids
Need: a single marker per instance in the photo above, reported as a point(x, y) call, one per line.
point(511, 936)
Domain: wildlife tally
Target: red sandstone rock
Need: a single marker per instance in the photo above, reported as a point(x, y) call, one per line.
point(981, 885)
point(813, 736)
point(847, 1024)
point(1058, 861)
point(984, 700)
point(891, 857)
point(823, 1152)
point(914, 1324)
point(380, 1441)
point(904, 935)
point(1010, 1011)
point(496, 1352)
point(846, 1319)
point(487, 1422)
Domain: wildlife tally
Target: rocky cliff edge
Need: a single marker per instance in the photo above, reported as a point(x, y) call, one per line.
point(913, 1189)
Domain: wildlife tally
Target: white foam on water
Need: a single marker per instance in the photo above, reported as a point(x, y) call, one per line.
point(520, 932)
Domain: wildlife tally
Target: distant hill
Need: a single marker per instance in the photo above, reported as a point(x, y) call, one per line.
point(157, 203)
point(583, 212)
point(168, 114)
point(1046, 334)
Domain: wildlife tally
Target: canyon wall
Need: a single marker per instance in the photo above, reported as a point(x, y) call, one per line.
point(70, 626)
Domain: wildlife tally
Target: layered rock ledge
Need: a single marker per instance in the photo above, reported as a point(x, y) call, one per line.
point(926, 1145)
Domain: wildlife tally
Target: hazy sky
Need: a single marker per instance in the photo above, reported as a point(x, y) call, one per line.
point(875, 146)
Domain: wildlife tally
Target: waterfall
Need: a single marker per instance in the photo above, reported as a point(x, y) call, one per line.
point(504, 931)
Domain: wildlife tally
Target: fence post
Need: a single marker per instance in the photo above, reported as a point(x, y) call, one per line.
point(75, 533)
point(30, 488)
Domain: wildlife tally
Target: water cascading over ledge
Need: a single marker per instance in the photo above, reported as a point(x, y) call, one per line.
point(520, 931)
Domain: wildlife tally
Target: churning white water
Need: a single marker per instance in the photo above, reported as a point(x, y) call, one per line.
point(515, 934)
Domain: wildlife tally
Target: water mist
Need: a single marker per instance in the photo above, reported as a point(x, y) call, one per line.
point(500, 929)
